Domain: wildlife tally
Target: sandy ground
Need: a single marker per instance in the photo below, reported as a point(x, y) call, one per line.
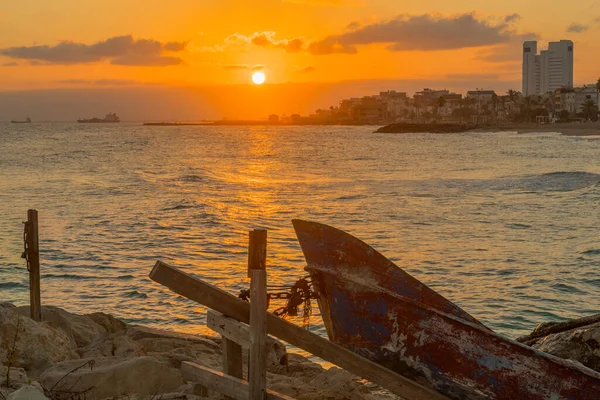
point(569, 129)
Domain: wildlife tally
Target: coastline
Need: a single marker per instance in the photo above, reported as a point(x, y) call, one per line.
point(565, 129)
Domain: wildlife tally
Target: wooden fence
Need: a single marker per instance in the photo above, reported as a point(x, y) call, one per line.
point(230, 317)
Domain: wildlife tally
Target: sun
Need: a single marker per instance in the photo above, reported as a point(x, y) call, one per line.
point(258, 78)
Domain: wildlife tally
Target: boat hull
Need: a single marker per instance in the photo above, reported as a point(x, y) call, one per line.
point(413, 336)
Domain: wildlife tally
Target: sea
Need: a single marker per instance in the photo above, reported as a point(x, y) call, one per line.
point(505, 225)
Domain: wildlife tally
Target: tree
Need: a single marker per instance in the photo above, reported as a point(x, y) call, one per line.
point(417, 106)
point(514, 97)
point(495, 101)
point(441, 102)
point(598, 85)
point(528, 103)
point(589, 109)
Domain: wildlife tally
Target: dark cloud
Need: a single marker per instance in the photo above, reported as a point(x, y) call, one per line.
point(294, 45)
point(146, 60)
point(405, 33)
point(267, 39)
point(119, 50)
point(353, 25)
point(10, 64)
point(577, 28)
point(421, 32)
point(175, 46)
point(512, 18)
point(330, 45)
point(244, 66)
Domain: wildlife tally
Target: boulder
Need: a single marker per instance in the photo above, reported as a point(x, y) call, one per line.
point(116, 344)
point(112, 377)
point(17, 377)
point(38, 345)
point(81, 329)
point(108, 322)
point(27, 393)
point(581, 344)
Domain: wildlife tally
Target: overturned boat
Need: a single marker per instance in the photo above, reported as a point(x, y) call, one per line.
point(374, 308)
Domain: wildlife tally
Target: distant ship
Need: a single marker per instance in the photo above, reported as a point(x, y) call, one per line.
point(110, 117)
point(27, 121)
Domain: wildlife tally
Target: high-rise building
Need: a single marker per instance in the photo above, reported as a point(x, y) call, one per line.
point(550, 70)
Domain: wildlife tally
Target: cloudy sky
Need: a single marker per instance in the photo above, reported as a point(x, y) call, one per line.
point(215, 45)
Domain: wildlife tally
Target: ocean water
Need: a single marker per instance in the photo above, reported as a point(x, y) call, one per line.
point(505, 225)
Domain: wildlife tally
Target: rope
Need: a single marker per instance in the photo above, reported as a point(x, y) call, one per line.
point(300, 293)
point(25, 253)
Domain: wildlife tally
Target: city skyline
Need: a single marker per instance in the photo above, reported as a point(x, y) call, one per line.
point(352, 48)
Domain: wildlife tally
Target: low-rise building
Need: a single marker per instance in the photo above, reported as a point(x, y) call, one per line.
point(572, 99)
point(482, 96)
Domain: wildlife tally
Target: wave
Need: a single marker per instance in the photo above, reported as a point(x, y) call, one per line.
point(192, 178)
point(591, 252)
point(136, 294)
point(518, 226)
point(560, 181)
point(10, 285)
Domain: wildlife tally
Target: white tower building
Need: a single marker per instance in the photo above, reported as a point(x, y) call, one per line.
point(550, 70)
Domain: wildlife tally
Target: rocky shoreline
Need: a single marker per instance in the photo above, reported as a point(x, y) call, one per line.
point(567, 129)
point(96, 356)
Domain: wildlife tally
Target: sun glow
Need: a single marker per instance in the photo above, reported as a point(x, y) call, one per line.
point(258, 78)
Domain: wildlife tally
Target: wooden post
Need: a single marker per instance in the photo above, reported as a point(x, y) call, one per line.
point(257, 367)
point(33, 259)
point(257, 250)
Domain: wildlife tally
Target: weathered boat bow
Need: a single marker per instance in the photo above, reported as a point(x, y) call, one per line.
point(372, 307)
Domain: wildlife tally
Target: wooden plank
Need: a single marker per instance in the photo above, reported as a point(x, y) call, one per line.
point(228, 327)
point(33, 257)
point(215, 298)
point(224, 384)
point(257, 249)
point(257, 367)
point(232, 358)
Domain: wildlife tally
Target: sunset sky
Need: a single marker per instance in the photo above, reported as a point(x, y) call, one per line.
point(313, 50)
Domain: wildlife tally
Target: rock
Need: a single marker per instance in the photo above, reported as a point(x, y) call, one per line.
point(113, 376)
point(82, 329)
point(108, 322)
point(581, 344)
point(17, 378)
point(116, 344)
point(38, 344)
point(27, 393)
